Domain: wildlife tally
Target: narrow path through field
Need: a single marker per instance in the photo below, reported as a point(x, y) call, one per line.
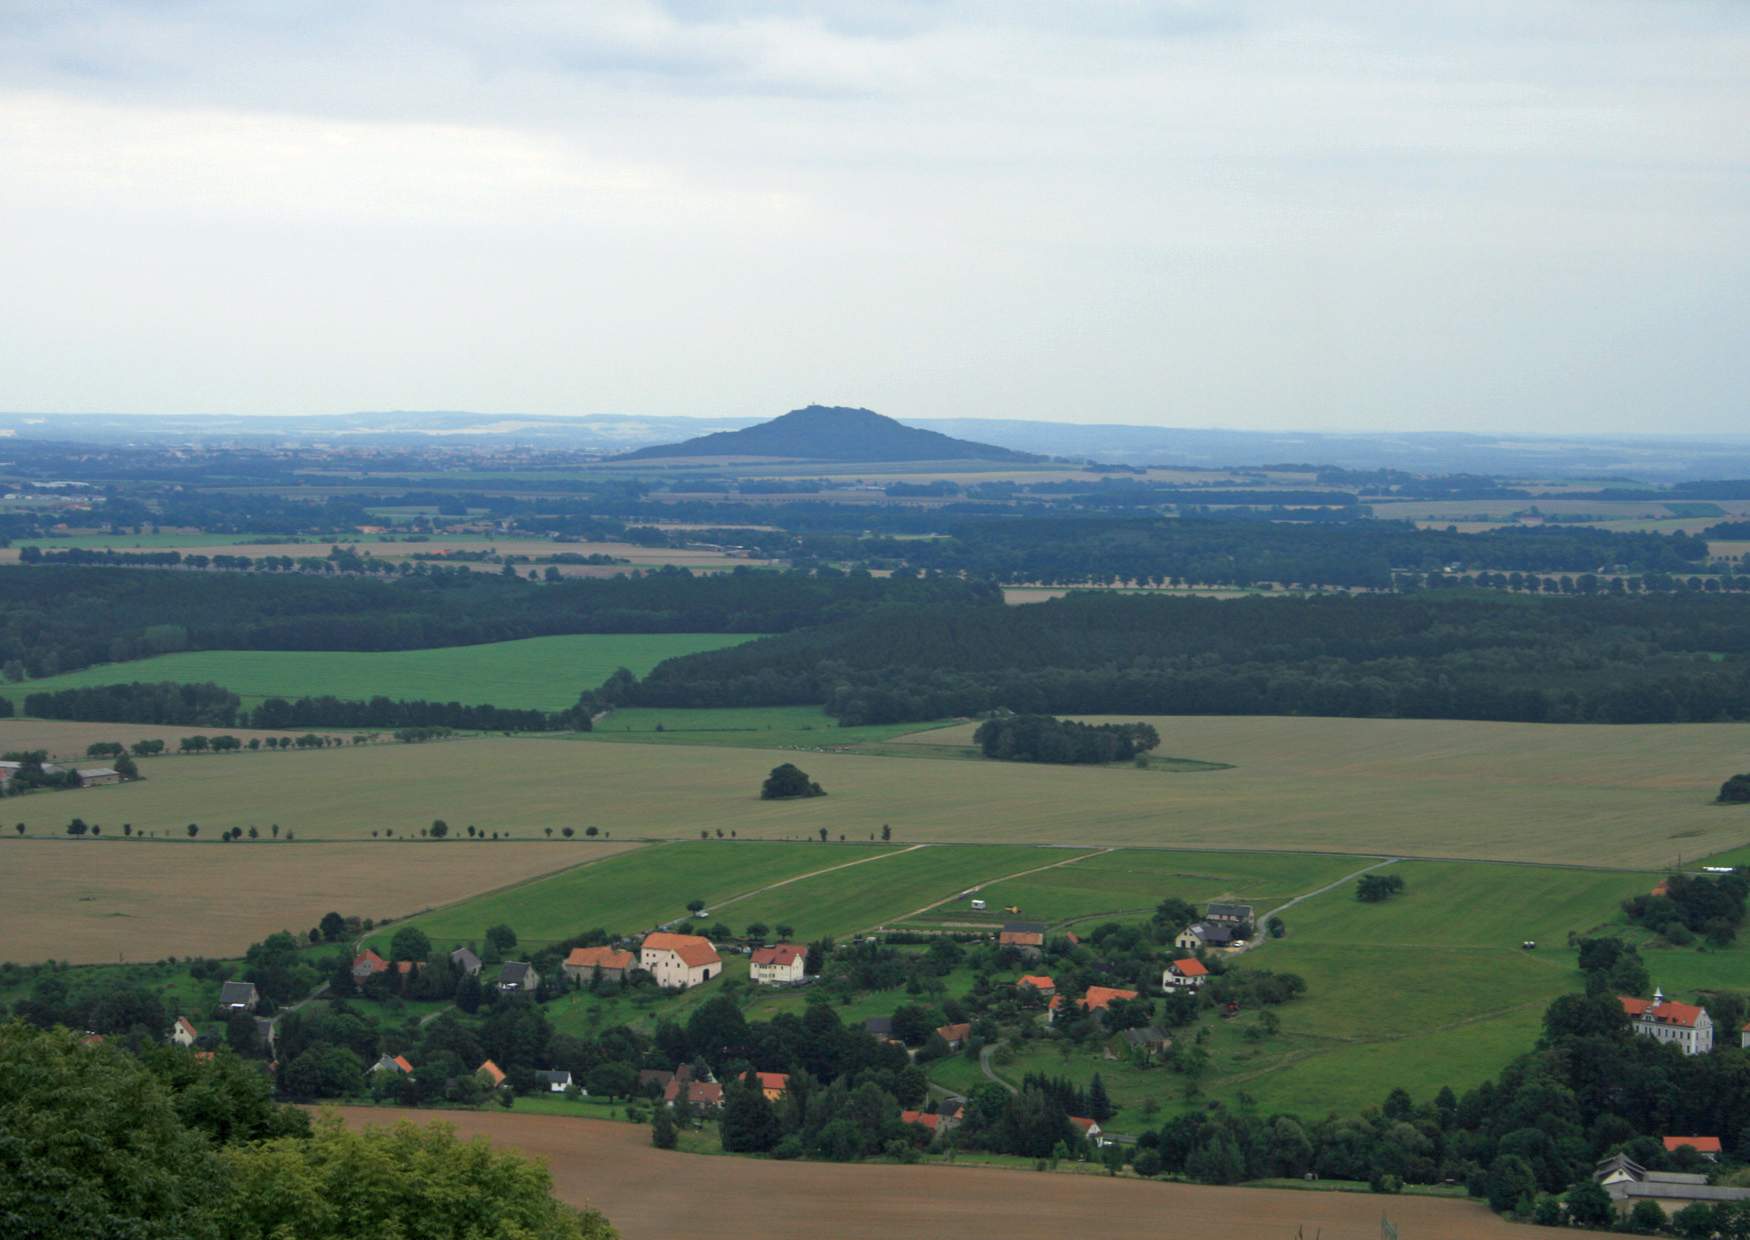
point(990, 1072)
point(748, 895)
point(919, 912)
point(1259, 936)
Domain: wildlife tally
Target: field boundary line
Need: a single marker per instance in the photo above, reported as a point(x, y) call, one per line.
point(883, 925)
point(713, 910)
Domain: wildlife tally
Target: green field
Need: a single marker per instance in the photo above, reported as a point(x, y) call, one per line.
point(1127, 884)
point(760, 727)
point(1431, 988)
point(538, 673)
point(635, 891)
point(1628, 796)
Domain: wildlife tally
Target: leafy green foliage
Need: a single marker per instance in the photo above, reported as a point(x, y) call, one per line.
point(787, 781)
point(1041, 738)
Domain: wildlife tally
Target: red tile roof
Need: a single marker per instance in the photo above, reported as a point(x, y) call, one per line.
point(369, 959)
point(600, 958)
point(1669, 1012)
point(1088, 1126)
point(693, 950)
point(493, 1072)
point(927, 1119)
point(1098, 997)
point(1190, 968)
point(401, 1062)
point(1702, 1145)
point(1021, 938)
point(1661, 888)
point(784, 954)
point(955, 1033)
point(187, 1026)
point(1039, 982)
point(773, 1082)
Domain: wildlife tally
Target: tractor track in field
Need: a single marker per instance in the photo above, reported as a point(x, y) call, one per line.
point(1003, 878)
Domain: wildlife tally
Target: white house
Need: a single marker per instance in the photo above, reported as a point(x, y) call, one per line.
point(183, 1032)
point(1089, 1128)
point(678, 961)
point(782, 965)
point(1189, 974)
point(1684, 1024)
point(1203, 934)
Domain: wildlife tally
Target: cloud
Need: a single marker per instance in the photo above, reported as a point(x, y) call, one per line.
point(1238, 212)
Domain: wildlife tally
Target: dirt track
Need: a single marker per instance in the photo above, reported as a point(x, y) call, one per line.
point(652, 1195)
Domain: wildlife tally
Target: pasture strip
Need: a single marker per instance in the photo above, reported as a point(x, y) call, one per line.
point(985, 882)
point(747, 895)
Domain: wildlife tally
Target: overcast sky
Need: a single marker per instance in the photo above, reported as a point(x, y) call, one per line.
point(1514, 215)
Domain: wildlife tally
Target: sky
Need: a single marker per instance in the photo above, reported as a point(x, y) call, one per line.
point(1525, 215)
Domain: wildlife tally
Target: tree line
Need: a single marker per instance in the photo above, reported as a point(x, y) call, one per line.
point(1041, 738)
point(1451, 655)
point(212, 706)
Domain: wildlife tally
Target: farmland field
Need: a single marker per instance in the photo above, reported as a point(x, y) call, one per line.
point(634, 893)
point(65, 739)
point(537, 673)
point(758, 727)
point(1623, 795)
point(108, 900)
point(612, 1167)
point(1128, 883)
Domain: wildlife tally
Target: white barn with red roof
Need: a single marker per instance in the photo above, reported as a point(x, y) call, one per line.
point(1689, 1027)
point(678, 961)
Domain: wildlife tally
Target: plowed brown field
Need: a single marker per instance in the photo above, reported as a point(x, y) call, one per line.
point(100, 901)
point(650, 1194)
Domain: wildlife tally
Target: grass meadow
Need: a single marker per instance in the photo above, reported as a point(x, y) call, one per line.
point(1634, 797)
point(537, 673)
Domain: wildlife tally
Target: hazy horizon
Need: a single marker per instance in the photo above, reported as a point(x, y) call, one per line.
point(1338, 219)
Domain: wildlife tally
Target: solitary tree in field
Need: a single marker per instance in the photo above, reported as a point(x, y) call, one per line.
point(439, 829)
point(1376, 887)
point(695, 907)
point(549, 832)
point(788, 781)
point(193, 830)
point(567, 832)
point(785, 932)
point(886, 833)
point(823, 835)
point(20, 828)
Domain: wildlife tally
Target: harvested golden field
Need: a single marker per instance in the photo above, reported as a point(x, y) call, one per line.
point(68, 740)
point(1629, 797)
point(97, 901)
point(651, 1194)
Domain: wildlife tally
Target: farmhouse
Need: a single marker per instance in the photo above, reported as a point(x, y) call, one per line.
point(1628, 1182)
point(97, 776)
point(1038, 982)
point(518, 977)
point(1029, 936)
point(367, 964)
point(554, 1080)
point(465, 962)
point(1148, 1041)
point(923, 1119)
point(1684, 1024)
point(1203, 934)
point(1089, 1128)
point(237, 997)
point(955, 1035)
point(879, 1026)
point(1234, 915)
point(583, 962)
point(773, 1084)
point(1189, 973)
point(1707, 1147)
point(490, 1075)
point(1098, 999)
point(783, 965)
point(701, 1095)
point(679, 961)
point(393, 1063)
point(183, 1032)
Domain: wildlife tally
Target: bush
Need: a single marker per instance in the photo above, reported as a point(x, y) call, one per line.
point(1736, 790)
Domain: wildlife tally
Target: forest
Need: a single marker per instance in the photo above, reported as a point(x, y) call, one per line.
point(60, 619)
point(1445, 655)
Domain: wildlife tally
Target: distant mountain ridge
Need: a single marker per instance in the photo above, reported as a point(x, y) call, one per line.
point(833, 433)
